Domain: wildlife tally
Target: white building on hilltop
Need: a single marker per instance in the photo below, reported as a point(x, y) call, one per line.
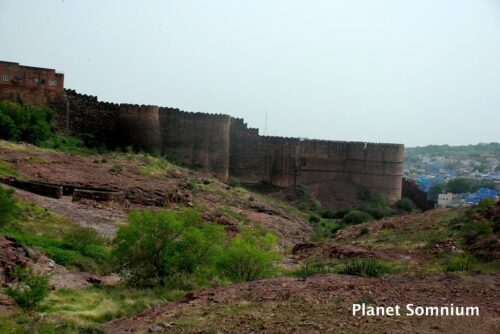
point(450, 200)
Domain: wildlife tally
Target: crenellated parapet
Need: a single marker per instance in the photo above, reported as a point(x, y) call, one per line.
point(139, 127)
point(335, 171)
point(198, 139)
point(81, 114)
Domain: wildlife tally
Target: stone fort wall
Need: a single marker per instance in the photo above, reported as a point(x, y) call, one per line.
point(335, 171)
point(198, 139)
point(79, 114)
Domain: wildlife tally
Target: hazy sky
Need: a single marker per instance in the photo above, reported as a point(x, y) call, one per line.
point(407, 71)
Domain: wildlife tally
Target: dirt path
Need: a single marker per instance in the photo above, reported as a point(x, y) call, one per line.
point(104, 220)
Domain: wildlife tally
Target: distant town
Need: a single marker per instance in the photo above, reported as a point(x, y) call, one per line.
point(454, 176)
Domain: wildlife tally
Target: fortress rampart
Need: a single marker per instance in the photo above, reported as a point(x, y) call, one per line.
point(79, 114)
point(138, 126)
point(198, 139)
point(335, 171)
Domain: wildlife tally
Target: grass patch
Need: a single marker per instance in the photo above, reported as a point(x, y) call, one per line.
point(103, 303)
point(66, 243)
point(326, 229)
point(84, 310)
point(7, 170)
point(353, 266)
point(156, 167)
point(406, 239)
point(292, 209)
point(464, 262)
point(21, 323)
point(227, 211)
point(12, 146)
point(73, 145)
point(365, 268)
point(234, 182)
point(314, 266)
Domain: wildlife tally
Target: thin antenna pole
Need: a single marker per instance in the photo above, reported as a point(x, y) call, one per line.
point(265, 123)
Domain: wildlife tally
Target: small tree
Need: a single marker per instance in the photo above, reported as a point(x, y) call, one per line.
point(26, 123)
point(155, 246)
point(30, 290)
point(356, 217)
point(434, 191)
point(234, 182)
point(460, 185)
point(405, 204)
point(178, 249)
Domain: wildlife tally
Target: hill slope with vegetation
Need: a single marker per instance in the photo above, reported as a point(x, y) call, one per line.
point(183, 248)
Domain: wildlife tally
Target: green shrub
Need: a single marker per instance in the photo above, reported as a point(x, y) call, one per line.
point(8, 208)
point(91, 257)
point(485, 203)
point(337, 227)
point(129, 149)
point(234, 181)
point(342, 212)
point(82, 237)
point(87, 242)
point(313, 266)
point(460, 185)
point(90, 329)
point(30, 290)
point(25, 123)
point(376, 211)
point(169, 248)
point(374, 204)
point(326, 229)
point(365, 268)
point(249, 256)
point(405, 204)
point(364, 231)
point(356, 217)
point(314, 219)
point(6, 169)
point(155, 246)
point(328, 214)
point(191, 183)
point(459, 263)
point(471, 231)
point(371, 197)
point(116, 168)
point(434, 191)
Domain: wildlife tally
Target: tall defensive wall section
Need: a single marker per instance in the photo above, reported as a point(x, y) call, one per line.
point(335, 171)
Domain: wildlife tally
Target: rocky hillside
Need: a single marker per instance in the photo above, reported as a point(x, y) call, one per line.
point(439, 257)
point(146, 181)
point(434, 258)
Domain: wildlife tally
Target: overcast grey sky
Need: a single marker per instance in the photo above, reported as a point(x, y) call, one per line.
point(405, 71)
